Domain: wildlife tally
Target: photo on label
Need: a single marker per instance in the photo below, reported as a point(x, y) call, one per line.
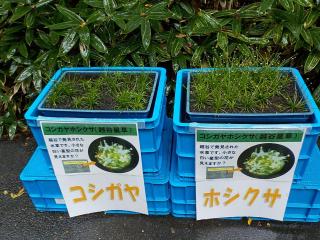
point(266, 161)
point(75, 166)
point(220, 172)
point(113, 154)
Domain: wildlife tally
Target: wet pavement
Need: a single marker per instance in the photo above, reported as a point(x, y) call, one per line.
point(19, 220)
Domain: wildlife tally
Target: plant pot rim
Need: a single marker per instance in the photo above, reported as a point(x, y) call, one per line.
point(259, 117)
point(123, 113)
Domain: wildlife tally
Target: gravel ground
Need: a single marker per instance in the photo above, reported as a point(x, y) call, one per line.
point(19, 220)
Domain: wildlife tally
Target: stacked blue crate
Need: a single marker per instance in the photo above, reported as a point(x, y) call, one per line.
point(303, 203)
point(154, 134)
point(41, 184)
point(306, 177)
point(150, 128)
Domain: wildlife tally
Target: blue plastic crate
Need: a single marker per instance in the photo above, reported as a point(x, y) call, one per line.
point(42, 187)
point(96, 73)
point(301, 117)
point(292, 214)
point(150, 128)
point(306, 171)
point(151, 161)
point(184, 131)
point(57, 205)
point(303, 202)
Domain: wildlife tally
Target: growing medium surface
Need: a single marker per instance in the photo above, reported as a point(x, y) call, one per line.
point(242, 91)
point(107, 91)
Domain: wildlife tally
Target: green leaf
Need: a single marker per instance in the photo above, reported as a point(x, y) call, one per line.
point(179, 62)
point(29, 20)
point(236, 25)
point(265, 5)
point(145, 33)
point(13, 68)
point(196, 57)
point(158, 11)
point(307, 36)
point(299, 44)
point(152, 59)
point(137, 59)
point(44, 37)
point(54, 37)
point(109, 6)
point(37, 80)
point(316, 95)
point(42, 58)
point(287, 4)
point(244, 49)
point(29, 36)
point(162, 52)
point(84, 44)
point(261, 41)
point(84, 35)
point(68, 42)
point(27, 72)
point(120, 22)
point(176, 46)
point(211, 21)
point(312, 61)
point(97, 44)
point(277, 33)
point(187, 7)
point(21, 124)
point(305, 3)
point(222, 40)
point(1, 130)
point(294, 28)
point(315, 33)
point(12, 130)
point(311, 18)
point(20, 12)
point(23, 49)
point(94, 3)
point(43, 3)
point(70, 14)
point(134, 23)
point(97, 16)
point(63, 25)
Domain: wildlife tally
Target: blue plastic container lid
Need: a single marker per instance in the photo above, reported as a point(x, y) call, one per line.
point(34, 118)
point(60, 112)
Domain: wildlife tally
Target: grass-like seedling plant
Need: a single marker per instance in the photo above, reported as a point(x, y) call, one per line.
point(235, 88)
point(107, 91)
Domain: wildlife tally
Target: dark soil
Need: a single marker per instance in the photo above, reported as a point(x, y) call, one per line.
point(105, 100)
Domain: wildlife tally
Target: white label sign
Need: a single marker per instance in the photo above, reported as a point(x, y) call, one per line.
point(245, 172)
point(98, 166)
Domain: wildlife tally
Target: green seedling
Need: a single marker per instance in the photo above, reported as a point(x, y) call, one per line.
point(109, 91)
point(234, 89)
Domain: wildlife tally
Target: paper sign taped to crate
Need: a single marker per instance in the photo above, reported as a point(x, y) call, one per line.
point(98, 166)
point(229, 160)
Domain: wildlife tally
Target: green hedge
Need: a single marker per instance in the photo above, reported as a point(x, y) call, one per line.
point(38, 37)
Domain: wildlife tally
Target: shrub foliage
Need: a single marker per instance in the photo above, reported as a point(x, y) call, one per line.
point(38, 37)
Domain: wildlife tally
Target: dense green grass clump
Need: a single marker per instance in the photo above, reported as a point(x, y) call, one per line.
point(110, 91)
point(234, 88)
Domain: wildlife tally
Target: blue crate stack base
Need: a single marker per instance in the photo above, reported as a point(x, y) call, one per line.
point(304, 200)
point(155, 131)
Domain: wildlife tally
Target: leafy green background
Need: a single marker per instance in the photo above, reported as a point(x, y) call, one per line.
point(38, 37)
